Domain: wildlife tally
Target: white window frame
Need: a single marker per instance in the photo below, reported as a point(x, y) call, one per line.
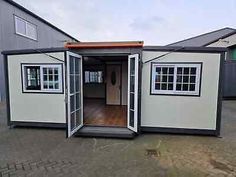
point(89, 78)
point(43, 90)
point(26, 28)
point(59, 78)
point(198, 67)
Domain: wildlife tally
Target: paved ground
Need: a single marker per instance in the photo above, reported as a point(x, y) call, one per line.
point(44, 152)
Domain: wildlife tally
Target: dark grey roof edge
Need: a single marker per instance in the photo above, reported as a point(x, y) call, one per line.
point(39, 18)
point(207, 34)
point(222, 37)
point(31, 51)
point(185, 49)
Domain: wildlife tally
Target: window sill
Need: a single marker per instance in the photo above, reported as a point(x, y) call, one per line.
point(40, 92)
point(176, 94)
point(35, 40)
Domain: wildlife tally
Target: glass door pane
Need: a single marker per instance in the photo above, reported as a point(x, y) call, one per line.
point(74, 75)
point(133, 93)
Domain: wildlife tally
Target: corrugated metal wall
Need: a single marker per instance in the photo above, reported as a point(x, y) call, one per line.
point(47, 36)
point(229, 89)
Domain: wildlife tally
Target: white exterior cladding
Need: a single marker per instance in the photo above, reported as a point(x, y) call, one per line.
point(188, 112)
point(157, 112)
point(34, 107)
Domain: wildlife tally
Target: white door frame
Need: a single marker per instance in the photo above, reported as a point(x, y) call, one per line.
point(70, 132)
point(135, 110)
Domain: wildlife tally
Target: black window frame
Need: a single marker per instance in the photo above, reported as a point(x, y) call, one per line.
point(37, 78)
point(42, 90)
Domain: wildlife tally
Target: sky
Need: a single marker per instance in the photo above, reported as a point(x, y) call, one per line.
point(156, 22)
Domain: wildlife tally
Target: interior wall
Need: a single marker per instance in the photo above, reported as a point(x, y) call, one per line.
point(96, 90)
point(99, 90)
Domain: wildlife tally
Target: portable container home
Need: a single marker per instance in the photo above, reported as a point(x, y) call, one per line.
point(116, 89)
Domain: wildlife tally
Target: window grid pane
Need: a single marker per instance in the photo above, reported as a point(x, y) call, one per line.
point(20, 26)
point(31, 31)
point(177, 78)
point(186, 79)
point(164, 78)
point(93, 77)
point(32, 77)
point(51, 78)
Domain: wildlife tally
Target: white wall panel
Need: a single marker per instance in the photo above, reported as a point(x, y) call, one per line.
point(34, 107)
point(182, 111)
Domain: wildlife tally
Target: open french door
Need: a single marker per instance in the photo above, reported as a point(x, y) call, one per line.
point(74, 93)
point(132, 111)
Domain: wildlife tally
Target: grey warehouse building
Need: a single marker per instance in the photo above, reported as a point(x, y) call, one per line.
point(22, 29)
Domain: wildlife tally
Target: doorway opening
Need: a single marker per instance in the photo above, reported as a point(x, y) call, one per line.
point(102, 95)
point(105, 90)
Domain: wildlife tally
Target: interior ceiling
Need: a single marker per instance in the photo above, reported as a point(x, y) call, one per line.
point(102, 59)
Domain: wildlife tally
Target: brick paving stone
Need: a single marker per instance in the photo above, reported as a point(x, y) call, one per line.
point(5, 175)
point(26, 167)
point(3, 166)
point(5, 172)
point(46, 152)
point(11, 166)
point(4, 169)
point(33, 166)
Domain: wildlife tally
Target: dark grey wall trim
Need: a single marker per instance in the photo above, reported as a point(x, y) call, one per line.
point(185, 49)
point(39, 18)
point(229, 97)
point(38, 124)
point(179, 131)
point(232, 46)
point(66, 93)
point(139, 92)
point(32, 51)
point(107, 51)
point(220, 94)
point(7, 90)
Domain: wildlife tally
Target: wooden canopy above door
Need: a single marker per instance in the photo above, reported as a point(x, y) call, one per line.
point(121, 44)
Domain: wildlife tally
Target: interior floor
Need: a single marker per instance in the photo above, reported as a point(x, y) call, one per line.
point(96, 112)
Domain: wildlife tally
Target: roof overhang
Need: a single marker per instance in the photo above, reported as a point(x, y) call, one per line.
point(97, 45)
point(185, 49)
